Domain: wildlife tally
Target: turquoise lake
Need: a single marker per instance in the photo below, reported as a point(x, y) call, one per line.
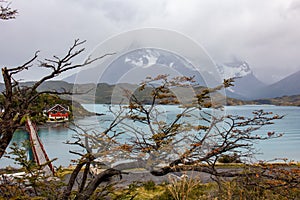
point(287, 146)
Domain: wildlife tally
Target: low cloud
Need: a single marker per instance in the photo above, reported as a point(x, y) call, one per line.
point(264, 33)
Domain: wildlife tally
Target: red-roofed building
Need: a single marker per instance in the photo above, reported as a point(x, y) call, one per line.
point(58, 113)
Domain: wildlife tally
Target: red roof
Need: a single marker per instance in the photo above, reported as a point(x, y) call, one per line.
point(59, 114)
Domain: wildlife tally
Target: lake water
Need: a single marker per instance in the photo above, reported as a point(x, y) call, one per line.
point(287, 146)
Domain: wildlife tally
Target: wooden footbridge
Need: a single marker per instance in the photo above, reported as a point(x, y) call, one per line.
point(39, 154)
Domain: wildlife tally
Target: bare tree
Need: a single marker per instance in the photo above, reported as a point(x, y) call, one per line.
point(193, 138)
point(6, 12)
point(18, 99)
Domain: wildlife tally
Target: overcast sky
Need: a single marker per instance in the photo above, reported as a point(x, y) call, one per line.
point(266, 34)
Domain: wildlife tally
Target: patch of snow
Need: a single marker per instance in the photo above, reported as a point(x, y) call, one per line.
point(231, 90)
point(151, 60)
point(236, 69)
point(127, 60)
point(149, 57)
point(135, 62)
point(171, 64)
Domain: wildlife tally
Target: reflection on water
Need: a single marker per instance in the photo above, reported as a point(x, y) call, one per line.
point(54, 138)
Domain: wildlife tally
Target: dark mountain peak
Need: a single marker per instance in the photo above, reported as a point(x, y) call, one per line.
point(287, 86)
point(295, 77)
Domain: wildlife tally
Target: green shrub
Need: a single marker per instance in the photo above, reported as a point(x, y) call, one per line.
point(149, 185)
point(229, 159)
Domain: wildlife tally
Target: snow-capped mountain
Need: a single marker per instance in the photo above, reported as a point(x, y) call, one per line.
point(246, 84)
point(142, 58)
point(149, 57)
point(234, 69)
point(133, 67)
point(139, 64)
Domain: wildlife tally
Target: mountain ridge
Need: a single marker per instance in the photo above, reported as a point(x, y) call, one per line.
point(134, 66)
point(103, 93)
point(289, 85)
